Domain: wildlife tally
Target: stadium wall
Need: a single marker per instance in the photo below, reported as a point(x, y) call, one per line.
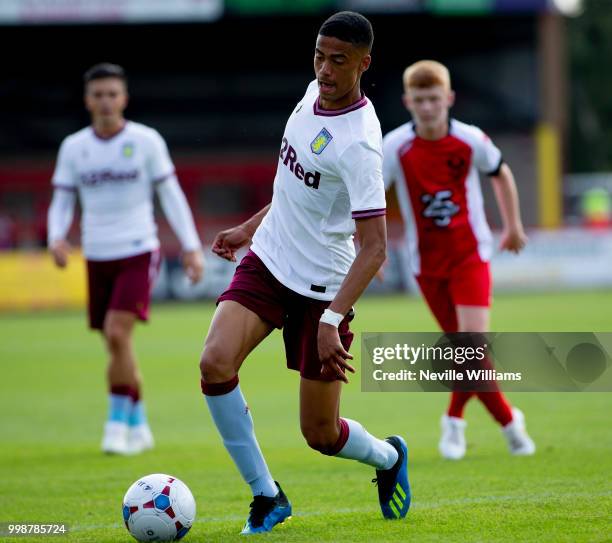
point(572, 258)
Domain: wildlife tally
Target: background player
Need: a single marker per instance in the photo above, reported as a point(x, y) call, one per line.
point(114, 166)
point(302, 275)
point(434, 162)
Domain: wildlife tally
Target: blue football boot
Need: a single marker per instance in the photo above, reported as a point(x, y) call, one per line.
point(267, 512)
point(393, 486)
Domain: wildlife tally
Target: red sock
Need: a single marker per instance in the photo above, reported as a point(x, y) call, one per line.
point(495, 401)
point(497, 405)
point(457, 403)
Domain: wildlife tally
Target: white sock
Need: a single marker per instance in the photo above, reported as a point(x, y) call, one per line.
point(367, 449)
point(235, 424)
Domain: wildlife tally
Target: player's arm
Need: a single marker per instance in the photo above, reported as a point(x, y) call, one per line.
point(229, 241)
point(179, 216)
point(59, 219)
point(61, 210)
point(372, 234)
point(513, 235)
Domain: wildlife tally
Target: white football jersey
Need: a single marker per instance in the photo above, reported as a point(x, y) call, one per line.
point(115, 178)
point(329, 173)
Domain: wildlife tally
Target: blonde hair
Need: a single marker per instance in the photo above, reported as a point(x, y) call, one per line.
point(425, 74)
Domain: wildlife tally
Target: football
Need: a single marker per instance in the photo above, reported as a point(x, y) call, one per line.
point(158, 507)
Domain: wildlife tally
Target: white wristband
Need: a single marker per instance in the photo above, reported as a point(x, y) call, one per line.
point(331, 317)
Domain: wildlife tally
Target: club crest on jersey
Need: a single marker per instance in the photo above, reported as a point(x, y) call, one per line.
point(322, 139)
point(127, 150)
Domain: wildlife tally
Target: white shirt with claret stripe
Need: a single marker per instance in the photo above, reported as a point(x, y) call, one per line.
point(115, 179)
point(329, 174)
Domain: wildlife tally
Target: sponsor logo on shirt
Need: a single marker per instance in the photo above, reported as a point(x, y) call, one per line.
point(322, 139)
point(290, 159)
point(440, 207)
point(97, 178)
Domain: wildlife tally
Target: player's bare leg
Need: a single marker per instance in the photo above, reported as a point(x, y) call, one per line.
point(234, 332)
point(452, 443)
point(439, 298)
point(320, 414)
point(473, 318)
point(126, 431)
point(331, 435)
point(122, 366)
point(511, 419)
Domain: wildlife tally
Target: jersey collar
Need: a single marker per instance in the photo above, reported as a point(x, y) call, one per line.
point(108, 138)
point(318, 110)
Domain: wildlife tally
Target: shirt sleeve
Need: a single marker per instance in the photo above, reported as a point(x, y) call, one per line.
point(159, 162)
point(177, 212)
point(487, 157)
point(61, 212)
point(361, 171)
point(63, 175)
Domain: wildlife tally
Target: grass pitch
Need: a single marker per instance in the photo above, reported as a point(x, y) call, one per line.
point(53, 405)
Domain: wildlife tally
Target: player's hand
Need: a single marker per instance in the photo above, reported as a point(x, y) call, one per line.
point(332, 354)
point(513, 240)
point(193, 264)
point(60, 249)
point(229, 241)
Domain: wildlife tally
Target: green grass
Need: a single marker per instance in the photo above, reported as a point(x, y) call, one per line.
point(53, 404)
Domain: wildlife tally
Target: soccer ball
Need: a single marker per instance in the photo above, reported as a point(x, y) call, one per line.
point(158, 507)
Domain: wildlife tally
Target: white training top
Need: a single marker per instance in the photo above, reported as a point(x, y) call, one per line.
point(115, 178)
point(329, 173)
